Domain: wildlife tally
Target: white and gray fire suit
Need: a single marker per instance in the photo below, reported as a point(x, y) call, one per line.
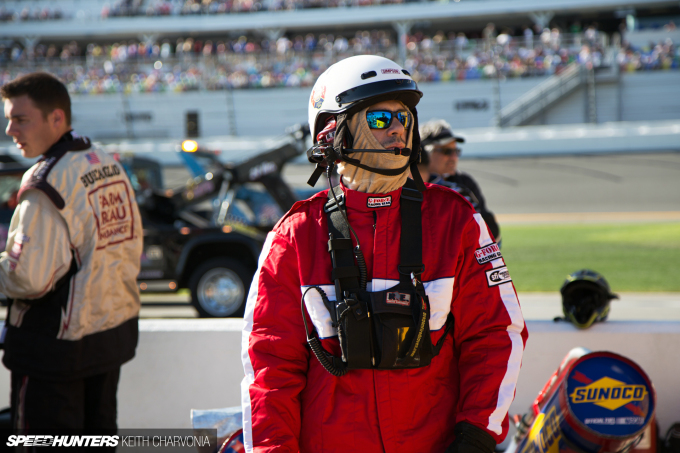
point(71, 265)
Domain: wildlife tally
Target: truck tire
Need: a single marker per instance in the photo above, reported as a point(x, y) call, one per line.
point(219, 288)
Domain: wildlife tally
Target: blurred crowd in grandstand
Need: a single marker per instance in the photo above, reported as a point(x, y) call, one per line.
point(249, 62)
point(128, 8)
point(158, 8)
point(194, 7)
point(30, 14)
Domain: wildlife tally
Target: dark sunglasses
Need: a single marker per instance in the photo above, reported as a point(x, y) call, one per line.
point(382, 119)
point(447, 150)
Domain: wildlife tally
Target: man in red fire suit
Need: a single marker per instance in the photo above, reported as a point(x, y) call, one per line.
point(459, 402)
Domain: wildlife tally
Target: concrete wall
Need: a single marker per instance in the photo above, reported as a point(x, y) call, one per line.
point(185, 364)
point(264, 112)
point(645, 96)
point(643, 38)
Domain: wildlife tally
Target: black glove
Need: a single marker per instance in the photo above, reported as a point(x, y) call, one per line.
point(470, 439)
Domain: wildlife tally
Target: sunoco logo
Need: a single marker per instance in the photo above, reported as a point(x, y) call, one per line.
point(608, 393)
point(495, 277)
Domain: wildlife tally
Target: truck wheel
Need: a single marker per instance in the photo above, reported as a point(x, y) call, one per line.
point(219, 288)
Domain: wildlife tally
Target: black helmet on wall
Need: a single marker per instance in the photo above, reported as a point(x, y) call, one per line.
point(585, 298)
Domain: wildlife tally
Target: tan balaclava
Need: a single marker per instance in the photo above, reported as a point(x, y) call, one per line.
point(366, 181)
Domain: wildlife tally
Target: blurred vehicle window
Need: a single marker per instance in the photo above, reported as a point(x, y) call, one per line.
point(255, 205)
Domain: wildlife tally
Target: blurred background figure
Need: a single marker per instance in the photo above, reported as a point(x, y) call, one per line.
point(443, 152)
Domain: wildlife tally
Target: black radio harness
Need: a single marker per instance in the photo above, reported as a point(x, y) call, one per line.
point(382, 329)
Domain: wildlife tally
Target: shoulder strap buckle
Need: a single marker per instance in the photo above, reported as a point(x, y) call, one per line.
point(411, 194)
point(330, 206)
point(408, 270)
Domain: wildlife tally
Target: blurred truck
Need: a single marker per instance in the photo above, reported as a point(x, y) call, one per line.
point(206, 236)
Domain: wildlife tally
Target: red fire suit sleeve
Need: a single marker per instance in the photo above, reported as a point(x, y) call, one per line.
point(275, 344)
point(489, 332)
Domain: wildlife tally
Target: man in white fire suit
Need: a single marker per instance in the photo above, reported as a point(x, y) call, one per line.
point(414, 343)
point(69, 270)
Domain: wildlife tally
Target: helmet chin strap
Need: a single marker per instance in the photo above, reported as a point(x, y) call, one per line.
point(326, 155)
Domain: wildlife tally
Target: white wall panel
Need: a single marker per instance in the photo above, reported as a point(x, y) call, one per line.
point(185, 364)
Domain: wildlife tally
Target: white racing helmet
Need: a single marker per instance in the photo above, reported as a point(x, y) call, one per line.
point(347, 87)
point(348, 84)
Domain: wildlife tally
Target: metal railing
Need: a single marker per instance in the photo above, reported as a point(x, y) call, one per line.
point(541, 97)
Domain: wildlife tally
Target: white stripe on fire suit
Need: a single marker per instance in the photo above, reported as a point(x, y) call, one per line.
point(249, 377)
point(439, 292)
point(506, 391)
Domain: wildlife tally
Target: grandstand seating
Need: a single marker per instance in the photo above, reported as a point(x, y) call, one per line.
point(18, 10)
point(42, 10)
point(314, 18)
point(190, 64)
point(50, 39)
point(251, 62)
point(194, 49)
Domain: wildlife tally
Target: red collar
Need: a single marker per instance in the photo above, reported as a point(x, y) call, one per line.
point(361, 201)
